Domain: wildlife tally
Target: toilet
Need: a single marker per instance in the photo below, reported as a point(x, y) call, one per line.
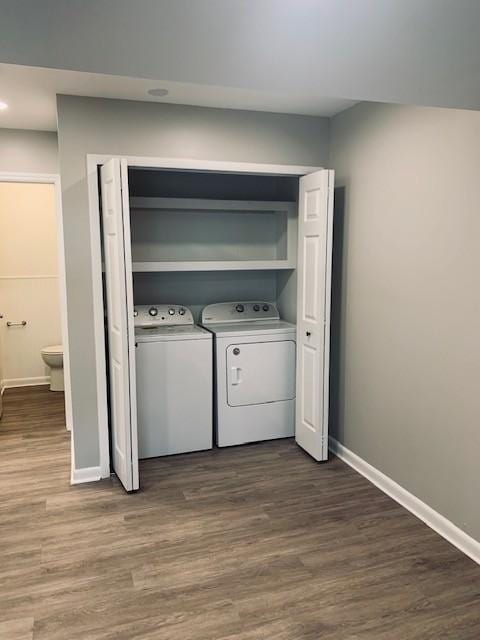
point(53, 358)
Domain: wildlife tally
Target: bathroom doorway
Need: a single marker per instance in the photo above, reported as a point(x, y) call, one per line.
point(33, 315)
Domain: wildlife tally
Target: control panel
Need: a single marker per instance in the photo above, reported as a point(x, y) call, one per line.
point(156, 315)
point(239, 312)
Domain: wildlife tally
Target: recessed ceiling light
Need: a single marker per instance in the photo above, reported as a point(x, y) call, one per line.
point(3, 106)
point(158, 93)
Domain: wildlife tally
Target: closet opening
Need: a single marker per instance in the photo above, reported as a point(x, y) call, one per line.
point(201, 269)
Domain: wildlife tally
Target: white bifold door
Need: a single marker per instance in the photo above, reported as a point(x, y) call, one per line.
point(315, 226)
point(120, 328)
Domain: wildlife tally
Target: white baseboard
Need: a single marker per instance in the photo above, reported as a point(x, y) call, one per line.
point(87, 474)
point(10, 383)
point(465, 543)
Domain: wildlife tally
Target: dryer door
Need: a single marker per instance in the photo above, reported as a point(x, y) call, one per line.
point(260, 372)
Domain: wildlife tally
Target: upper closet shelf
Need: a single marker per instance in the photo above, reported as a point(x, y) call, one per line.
point(203, 205)
point(213, 265)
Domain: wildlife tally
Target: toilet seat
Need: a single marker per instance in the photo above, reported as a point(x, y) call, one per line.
point(53, 358)
point(56, 349)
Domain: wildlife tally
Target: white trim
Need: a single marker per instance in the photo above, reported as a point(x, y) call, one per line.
point(54, 178)
point(93, 162)
point(40, 178)
point(87, 474)
point(465, 543)
point(11, 383)
point(192, 164)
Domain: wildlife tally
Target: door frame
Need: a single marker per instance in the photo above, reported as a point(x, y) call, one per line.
point(54, 178)
point(94, 161)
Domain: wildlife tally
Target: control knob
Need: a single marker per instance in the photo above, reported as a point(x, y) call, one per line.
point(265, 307)
point(171, 311)
point(240, 308)
point(256, 307)
point(153, 311)
point(181, 311)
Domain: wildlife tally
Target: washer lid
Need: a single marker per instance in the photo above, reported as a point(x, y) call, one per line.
point(257, 328)
point(171, 332)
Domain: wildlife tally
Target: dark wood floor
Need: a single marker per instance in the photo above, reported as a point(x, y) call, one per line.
point(249, 543)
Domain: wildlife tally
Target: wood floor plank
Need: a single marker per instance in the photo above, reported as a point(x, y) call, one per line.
point(247, 543)
point(20, 629)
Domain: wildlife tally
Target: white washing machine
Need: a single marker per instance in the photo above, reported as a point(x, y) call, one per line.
point(254, 360)
point(174, 381)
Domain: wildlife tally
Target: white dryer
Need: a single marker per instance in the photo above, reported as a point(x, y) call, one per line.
point(174, 381)
point(254, 360)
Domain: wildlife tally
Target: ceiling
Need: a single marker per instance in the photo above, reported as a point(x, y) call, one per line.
point(275, 55)
point(30, 93)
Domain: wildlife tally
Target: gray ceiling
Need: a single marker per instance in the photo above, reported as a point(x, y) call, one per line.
point(408, 51)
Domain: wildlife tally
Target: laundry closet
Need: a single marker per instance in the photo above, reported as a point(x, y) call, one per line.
point(176, 242)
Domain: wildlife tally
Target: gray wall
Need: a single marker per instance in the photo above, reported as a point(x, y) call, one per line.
point(24, 151)
point(406, 339)
point(91, 125)
point(197, 289)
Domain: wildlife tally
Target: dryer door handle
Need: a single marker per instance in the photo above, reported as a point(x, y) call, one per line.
point(235, 375)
